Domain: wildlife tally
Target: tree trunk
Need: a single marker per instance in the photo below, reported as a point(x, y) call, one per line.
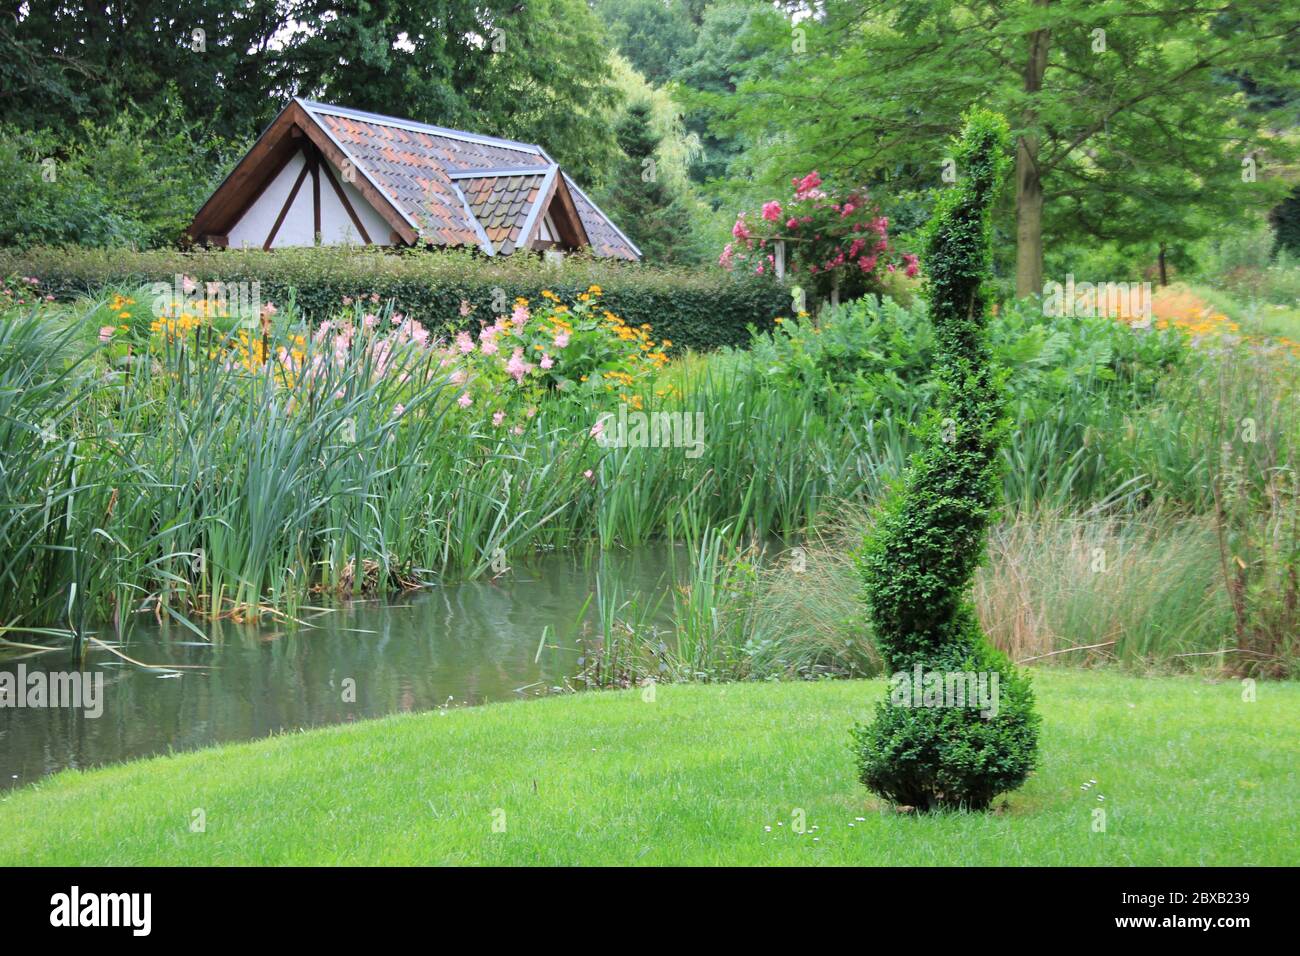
point(1029, 219)
point(1164, 268)
point(1029, 184)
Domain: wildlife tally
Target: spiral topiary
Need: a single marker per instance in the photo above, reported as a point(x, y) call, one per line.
point(923, 749)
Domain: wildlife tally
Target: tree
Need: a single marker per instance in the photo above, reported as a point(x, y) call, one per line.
point(930, 535)
point(534, 70)
point(656, 216)
point(652, 34)
point(135, 181)
point(1118, 110)
point(727, 50)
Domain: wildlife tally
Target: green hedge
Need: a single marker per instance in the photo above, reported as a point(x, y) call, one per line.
point(694, 308)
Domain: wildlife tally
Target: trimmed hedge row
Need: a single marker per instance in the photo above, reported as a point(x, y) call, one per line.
point(694, 308)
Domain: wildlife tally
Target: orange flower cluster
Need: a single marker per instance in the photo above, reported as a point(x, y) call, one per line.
point(1180, 308)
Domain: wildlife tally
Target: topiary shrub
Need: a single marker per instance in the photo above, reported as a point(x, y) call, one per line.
point(930, 745)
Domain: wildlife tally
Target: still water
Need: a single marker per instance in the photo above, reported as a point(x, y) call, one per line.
point(448, 646)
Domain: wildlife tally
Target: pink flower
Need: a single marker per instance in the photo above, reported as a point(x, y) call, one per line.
point(464, 343)
point(188, 284)
point(520, 315)
point(772, 211)
point(561, 340)
point(546, 361)
point(464, 401)
point(588, 474)
point(105, 333)
point(458, 377)
point(517, 430)
point(498, 418)
point(912, 263)
point(489, 344)
point(792, 223)
point(847, 210)
point(369, 320)
point(347, 300)
point(399, 410)
point(465, 308)
point(740, 230)
point(804, 188)
point(598, 429)
point(517, 367)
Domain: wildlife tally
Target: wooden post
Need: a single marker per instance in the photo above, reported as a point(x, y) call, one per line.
point(835, 289)
point(778, 258)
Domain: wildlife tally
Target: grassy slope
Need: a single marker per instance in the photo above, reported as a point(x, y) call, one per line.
point(1191, 775)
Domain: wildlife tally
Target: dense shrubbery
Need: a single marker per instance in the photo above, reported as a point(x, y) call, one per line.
point(868, 351)
point(133, 182)
point(693, 308)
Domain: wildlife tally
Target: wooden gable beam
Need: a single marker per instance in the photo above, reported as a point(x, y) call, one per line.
point(382, 204)
point(343, 198)
point(265, 161)
point(288, 203)
point(567, 223)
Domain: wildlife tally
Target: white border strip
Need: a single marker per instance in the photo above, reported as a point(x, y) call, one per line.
point(484, 241)
point(529, 223)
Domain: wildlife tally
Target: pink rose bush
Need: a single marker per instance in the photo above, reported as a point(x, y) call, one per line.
point(829, 238)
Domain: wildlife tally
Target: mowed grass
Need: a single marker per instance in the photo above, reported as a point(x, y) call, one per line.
point(1191, 774)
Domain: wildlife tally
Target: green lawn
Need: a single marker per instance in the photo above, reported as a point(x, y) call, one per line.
point(1191, 774)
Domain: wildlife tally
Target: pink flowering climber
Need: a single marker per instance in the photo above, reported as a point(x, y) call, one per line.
point(806, 187)
point(772, 211)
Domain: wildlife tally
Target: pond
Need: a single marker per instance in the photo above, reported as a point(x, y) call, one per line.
point(448, 646)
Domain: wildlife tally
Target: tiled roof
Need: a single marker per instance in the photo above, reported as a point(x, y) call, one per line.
point(428, 174)
point(606, 238)
point(502, 204)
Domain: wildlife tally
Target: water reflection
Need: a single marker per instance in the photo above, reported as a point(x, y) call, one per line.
point(453, 645)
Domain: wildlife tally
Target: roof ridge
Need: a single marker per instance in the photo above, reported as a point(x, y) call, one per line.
point(312, 106)
point(499, 171)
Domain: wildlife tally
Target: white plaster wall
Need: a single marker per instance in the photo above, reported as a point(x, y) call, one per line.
point(298, 226)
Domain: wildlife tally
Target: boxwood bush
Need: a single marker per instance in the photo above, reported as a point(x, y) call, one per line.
point(926, 750)
point(699, 308)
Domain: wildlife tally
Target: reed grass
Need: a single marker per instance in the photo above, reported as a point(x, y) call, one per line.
point(171, 484)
